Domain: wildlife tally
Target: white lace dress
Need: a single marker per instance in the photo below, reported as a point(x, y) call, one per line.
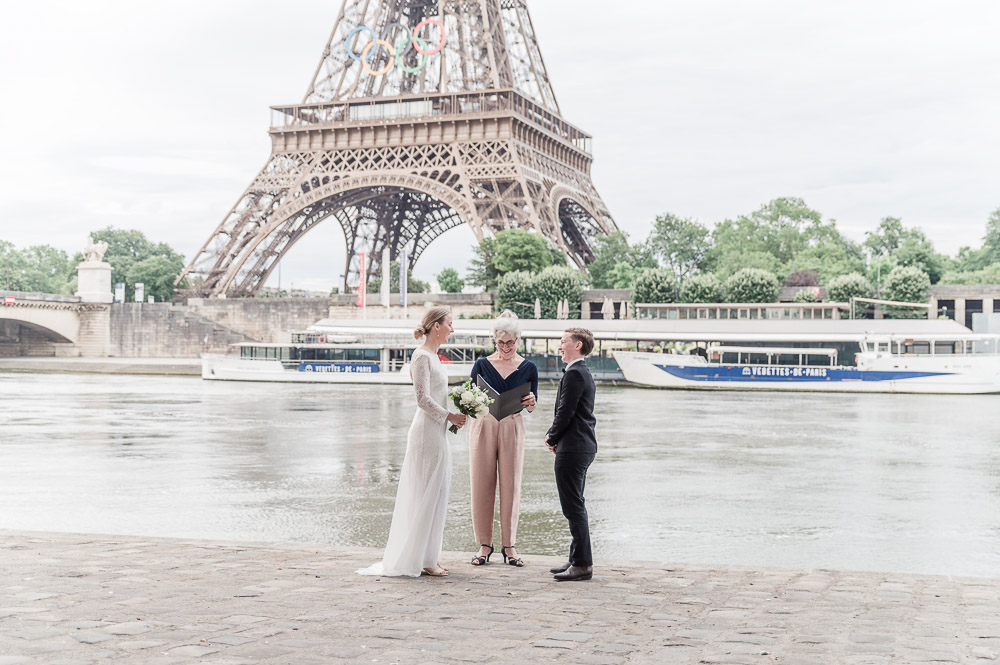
point(417, 529)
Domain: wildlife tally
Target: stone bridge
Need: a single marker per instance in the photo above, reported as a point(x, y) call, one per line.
point(42, 324)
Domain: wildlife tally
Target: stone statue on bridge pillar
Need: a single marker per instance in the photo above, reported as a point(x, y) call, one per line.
point(94, 275)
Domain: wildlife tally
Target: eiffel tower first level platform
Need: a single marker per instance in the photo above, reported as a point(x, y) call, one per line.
point(405, 134)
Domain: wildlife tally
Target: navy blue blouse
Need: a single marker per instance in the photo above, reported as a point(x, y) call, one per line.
point(525, 372)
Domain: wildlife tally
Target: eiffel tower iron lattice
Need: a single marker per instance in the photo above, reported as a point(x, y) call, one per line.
point(422, 115)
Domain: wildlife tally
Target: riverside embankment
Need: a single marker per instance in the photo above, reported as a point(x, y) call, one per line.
point(80, 599)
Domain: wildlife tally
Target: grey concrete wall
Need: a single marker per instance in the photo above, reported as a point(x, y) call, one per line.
point(275, 319)
point(164, 330)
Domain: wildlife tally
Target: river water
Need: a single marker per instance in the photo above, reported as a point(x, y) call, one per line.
point(901, 483)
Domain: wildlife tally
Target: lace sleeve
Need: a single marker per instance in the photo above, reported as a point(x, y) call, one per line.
point(420, 371)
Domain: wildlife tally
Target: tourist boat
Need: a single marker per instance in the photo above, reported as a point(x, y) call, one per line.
point(900, 363)
point(316, 358)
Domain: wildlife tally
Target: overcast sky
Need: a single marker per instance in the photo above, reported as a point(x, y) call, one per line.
point(154, 116)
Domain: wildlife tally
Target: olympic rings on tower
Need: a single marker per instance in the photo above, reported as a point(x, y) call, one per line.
point(397, 53)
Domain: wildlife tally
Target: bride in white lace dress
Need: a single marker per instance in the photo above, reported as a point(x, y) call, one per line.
point(417, 529)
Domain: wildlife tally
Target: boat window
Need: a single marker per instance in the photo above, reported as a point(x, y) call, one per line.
point(371, 354)
point(789, 359)
point(355, 354)
point(730, 358)
point(944, 348)
point(883, 347)
point(917, 348)
point(758, 358)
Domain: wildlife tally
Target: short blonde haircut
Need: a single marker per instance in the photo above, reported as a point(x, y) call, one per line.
point(508, 323)
point(433, 315)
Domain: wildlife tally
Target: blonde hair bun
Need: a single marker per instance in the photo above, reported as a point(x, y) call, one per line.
point(432, 316)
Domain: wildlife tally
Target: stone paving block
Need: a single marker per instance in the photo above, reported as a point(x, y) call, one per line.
point(87, 637)
point(138, 645)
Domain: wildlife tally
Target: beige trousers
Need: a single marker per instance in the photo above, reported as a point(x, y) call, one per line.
point(496, 451)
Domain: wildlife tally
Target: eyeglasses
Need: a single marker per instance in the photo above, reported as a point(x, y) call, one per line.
point(507, 345)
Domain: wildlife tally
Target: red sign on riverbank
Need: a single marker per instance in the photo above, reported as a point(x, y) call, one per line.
point(9, 300)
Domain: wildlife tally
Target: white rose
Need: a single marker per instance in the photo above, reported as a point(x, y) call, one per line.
point(468, 397)
point(482, 410)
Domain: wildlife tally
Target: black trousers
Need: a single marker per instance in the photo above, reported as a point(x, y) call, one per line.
point(571, 478)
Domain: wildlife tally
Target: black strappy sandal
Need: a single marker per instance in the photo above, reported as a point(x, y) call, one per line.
point(483, 560)
point(510, 561)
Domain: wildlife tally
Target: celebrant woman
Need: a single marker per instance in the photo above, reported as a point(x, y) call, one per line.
point(417, 529)
point(496, 448)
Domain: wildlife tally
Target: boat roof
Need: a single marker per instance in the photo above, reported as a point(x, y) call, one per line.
point(731, 330)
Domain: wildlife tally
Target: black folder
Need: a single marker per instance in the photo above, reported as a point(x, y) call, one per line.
point(506, 403)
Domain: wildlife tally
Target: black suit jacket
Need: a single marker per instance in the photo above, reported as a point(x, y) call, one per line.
point(572, 428)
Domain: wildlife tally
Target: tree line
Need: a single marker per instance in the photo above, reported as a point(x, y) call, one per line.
point(747, 259)
point(132, 256)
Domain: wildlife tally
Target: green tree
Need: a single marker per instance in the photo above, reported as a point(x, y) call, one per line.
point(829, 259)
point(703, 287)
point(845, 287)
point(907, 247)
point(622, 276)
point(157, 275)
point(752, 285)
point(509, 251)
point(13, 267)
point(481, 271)
point(731, 261)
point(920, 254)
point(878, 271)
point(781, 228)
point(616, 262)
point(557, 283)
point(449, 281)
point(991, 243)
point(49, 270)
point(887, 238)
point(516, 292)
point(907, 284)
point(37, 269)
point(126, 247)
point(681, 245)
point(654, 285)
point(516, 249)
point(988, 275)
point(412, 285)
point(805, 295)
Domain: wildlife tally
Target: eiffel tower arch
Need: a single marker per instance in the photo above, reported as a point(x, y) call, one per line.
point(422, 115)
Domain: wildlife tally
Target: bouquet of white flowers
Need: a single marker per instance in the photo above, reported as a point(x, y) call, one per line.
point(470, 400)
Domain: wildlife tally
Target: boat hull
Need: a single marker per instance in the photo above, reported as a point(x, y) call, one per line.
point(932, 375)
point(229, 368)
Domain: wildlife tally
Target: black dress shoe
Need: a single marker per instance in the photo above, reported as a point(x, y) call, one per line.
point(560, 569)
point(575, 573)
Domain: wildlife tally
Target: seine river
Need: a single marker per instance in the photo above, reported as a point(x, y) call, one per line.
point(899, 483)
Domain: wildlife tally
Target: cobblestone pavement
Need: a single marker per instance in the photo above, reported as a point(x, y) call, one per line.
point(72, 599)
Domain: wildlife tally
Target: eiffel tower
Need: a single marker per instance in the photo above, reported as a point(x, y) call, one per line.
point(422, 115)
